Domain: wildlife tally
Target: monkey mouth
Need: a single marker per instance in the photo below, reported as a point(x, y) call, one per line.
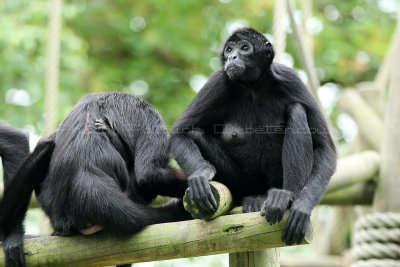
point(234, 66)
point(234, 71)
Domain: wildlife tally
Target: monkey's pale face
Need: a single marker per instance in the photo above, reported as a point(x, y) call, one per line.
point(237, 58)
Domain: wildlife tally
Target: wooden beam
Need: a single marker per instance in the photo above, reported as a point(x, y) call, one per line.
point(354, 169)
point(368, 121)
point(358, 194)
point(231, 233)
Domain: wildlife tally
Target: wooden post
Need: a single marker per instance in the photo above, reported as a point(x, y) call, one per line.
point(387, 193)
point(258, 258)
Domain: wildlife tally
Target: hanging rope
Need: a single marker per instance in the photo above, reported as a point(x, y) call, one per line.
point(52, 70)
point(278, 29)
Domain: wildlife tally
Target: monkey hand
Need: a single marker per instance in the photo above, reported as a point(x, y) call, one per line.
point(297, 224)
point(200, 190)
point(253, 203)
point(102, 125)
point(13, 250)
point(278, 200)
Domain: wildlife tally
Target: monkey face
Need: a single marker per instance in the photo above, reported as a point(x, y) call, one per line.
point(236, 55)
point(246, 55)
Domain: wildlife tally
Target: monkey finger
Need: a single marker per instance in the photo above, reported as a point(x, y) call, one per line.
point(201, 197)
point(210, 195)
point(244, 208)
point(292, 233)
point(288, 228)
point(268, 214)
point(195, 190)
point(255, 205)
point(191, 193)
point(192, 189)
point(298, 229)
point(207, 202)
point(272, 215)
point(302, 231)
point(251, 209)
point(275, 215)
point(204, 198)
point(263, 209)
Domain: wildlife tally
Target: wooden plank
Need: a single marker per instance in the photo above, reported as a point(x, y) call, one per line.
point(225, 234)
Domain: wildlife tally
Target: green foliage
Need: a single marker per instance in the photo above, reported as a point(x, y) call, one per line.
point(111, 45)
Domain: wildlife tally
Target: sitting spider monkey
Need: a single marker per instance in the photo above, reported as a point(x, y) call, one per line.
point(256, 128)
point(94, 174)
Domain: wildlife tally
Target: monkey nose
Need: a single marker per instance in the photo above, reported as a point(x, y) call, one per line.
point(233, 57)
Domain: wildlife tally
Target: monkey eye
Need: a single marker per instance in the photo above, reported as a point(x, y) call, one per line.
point(229, 49)
point(245, 48)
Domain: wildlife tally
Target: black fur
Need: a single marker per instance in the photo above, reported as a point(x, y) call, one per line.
point(100, 172)
point(280, 148)
point(14, 148)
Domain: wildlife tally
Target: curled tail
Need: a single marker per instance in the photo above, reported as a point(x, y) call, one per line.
point(100, 201)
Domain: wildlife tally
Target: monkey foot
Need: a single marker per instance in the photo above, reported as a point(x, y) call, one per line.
point(91, 230)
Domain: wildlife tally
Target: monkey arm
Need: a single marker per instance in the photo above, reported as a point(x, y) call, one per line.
point(307, 195)
point(201, 114)
point(323, 161)
point(296, 163)
point(225, 167)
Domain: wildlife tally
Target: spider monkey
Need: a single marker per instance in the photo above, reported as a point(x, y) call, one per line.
point(99, 170)
point(256, 128)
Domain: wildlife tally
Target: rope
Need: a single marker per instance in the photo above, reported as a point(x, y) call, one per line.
point(376, 250)
point(52, 71)
point(377, 240)
point(379, 219)
point(278, 29)
point(377, 235)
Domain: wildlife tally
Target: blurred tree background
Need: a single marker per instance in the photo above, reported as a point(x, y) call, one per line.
point(163, 51)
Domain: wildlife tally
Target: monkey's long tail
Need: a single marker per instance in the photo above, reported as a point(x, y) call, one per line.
point(107, 206)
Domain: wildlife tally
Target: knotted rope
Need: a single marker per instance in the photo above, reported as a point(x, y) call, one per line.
point(377, 240)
